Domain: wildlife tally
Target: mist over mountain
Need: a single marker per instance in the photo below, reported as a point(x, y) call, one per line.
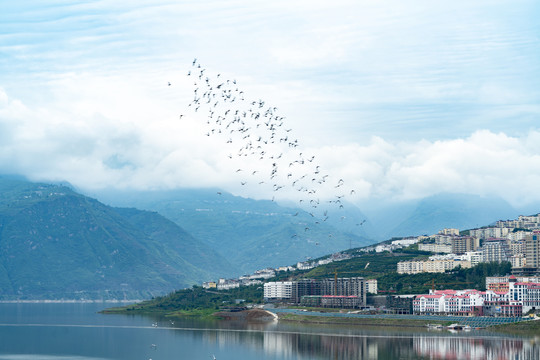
point(251, 234)
point(462, 211)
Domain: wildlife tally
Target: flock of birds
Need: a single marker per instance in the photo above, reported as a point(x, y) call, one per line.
point(255, 133)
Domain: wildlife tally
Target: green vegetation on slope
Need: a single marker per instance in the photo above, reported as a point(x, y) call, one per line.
point(196, 298)
point(382, 266)
point(58, 244)
point(260, 231)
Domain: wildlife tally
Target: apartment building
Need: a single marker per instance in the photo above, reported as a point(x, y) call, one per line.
point(295, 291)
point(371, 285)
point(454, 232)
point(278, 290)
point(495, 250)
point(431, 266)
point(532, 251)
point(516, 247)
point(436, 248)
point(466, 302)
point(493, 281)
point(490, 232)
point(463, 244)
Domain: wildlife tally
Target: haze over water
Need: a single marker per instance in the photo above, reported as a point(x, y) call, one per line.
point(39, 331)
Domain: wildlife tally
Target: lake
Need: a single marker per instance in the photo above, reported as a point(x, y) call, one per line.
point(46, 331)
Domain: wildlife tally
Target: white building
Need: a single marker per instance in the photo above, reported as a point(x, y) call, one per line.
point(227, 284)
point(459, 302)
point(405, 241)
point(430, 303)
point(305, 265)
point(491, 232)
point(475, 257)
point(384, 247)
point(526, 293)
point(278, 290)
point(372, 286)
point(436, 248)
point(518, 235)
point(433, 265)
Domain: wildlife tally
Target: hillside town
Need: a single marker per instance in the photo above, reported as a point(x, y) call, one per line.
point(515, 241)
point(516, 294)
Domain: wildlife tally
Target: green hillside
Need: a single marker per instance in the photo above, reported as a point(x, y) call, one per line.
point(383, 267)
point(55, 243)
point(261, 232)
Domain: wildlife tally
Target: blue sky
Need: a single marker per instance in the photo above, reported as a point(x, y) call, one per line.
point(403, 99)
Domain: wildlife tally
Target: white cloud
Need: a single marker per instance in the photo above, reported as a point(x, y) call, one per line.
point(485, 163)
point(388, 96)
point(92, 144)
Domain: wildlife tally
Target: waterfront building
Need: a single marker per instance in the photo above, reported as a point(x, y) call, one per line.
point(512, 298)
point(354, 286)
point(526, 294)
point(278, 290)
point(457, 302)
point(305, 287)
point(295, 291)
point(342, 301)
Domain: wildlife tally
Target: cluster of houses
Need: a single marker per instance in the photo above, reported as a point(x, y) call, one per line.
point(515, 241)
point(505, 296)
point(259, 276)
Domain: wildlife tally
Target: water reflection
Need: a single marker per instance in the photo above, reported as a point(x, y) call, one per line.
point(477, 348)
point(298, 342)
point(75, 331)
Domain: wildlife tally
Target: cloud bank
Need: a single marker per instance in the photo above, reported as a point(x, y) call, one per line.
point(95, 148)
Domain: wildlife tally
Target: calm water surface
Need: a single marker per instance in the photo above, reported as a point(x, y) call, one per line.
point(76, 331)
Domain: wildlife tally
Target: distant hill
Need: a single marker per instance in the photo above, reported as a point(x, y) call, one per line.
point(460, 211)
point(251, 234)
point(56, 243)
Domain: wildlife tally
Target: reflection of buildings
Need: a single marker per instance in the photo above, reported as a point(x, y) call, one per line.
point(298, 342)
point(475, 348)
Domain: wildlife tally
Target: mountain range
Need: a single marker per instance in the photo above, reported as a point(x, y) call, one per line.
point(57, 243)
point(251, 234)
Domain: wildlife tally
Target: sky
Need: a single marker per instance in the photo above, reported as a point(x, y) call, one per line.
point(398, 99)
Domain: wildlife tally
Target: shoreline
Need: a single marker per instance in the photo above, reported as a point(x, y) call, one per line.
point(526, 328)
point(334, 320)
